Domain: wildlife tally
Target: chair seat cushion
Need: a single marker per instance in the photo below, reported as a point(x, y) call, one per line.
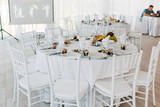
point(32, 58)
point(36, 80)
point(142, 78)
point(31, 68)
point(122, 88)
point(66, 88)
point(135, 34)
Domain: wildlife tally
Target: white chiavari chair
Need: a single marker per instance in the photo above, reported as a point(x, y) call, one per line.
point(70, 26)
point(96, 17)
point(146, 80)
point(87, 18)
point(26, 82)
point(86, 31)
point(135, 37)
point(29, 44)
point(31, 65)
point(13, 43)
point(53, 34)
point(78, 19)
point(116, 87)
point(68, 88)
point(128, 19)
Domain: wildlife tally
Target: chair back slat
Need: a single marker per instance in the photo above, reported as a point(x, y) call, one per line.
point(67, 68)
point(153, 62)
point(29, 41)
point(122, 65)
point(18, 60)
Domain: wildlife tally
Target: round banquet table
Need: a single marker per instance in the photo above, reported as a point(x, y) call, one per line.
point(113, 27)
point(151, 26)
point(91, 69)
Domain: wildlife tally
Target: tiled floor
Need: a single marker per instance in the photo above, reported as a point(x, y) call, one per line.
point(6, 76)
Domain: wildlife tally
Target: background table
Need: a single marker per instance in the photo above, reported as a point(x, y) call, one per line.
point(151, 26)
point(114, 27)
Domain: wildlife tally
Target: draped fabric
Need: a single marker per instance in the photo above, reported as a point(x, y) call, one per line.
point(66, 8)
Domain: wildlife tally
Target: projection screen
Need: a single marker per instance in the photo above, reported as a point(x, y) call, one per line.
point(31, 11)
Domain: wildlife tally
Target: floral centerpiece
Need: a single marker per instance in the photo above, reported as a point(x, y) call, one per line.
point(111, 34)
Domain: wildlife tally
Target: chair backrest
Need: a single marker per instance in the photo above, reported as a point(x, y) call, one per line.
point(86, 31)
point(78, 19)
point(87, 18)
point(69, 23)
point(96, 17)
point(19, 64)
point(29, 41)
point(13, 43)
point(153, 63)
point(66, 68)
point(122, 64)
point(138, 24)
point(56, 32)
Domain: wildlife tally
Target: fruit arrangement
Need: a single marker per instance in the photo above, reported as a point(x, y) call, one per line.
point(99, 37)
point(112, 36)
point(64, 51)
point(102, 51)
point(75, 38)
point(111, 19)
point(67, 42)
point(76, 50)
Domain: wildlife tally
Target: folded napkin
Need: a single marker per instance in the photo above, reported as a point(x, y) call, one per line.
point(123, 38)
point(61, 40)
point(82, 42)
point(105, 42)
point(92, 40)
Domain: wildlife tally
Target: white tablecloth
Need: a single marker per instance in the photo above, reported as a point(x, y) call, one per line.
point(151, 26)
point(114, 27)
point(91, 70)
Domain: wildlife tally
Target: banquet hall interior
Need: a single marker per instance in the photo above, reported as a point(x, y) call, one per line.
point(79, 53)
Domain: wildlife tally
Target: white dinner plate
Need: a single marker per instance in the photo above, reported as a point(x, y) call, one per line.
point(97, 55)
point(70, 54)
point(120, 52)
point(51, 51)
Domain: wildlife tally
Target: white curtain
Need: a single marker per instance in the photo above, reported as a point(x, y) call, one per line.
point(65, 8)
point(71, 8)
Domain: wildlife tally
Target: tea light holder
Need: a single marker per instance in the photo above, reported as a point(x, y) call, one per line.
point(123, 47)
point(85, 52)
point(110, 51)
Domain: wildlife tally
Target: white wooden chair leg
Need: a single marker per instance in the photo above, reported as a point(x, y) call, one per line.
point(61, 103)
point(51, 105)
point(17, 97)
point(87, 99)
point(146, 97)
point(29, 99)
point(94, 98)
point(112, 100)
point(134, 101)
point(153, 94)
point(15, 89)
